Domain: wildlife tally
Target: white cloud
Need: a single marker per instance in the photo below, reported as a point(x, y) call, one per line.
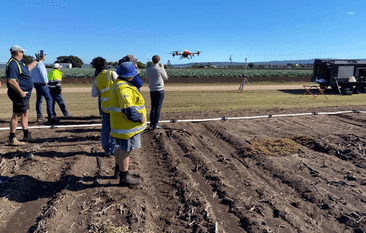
point(350, 13)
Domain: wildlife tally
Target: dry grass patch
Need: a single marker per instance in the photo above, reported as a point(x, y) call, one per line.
point(276, 146)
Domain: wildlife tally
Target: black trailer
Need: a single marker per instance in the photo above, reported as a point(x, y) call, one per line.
point(346, 76)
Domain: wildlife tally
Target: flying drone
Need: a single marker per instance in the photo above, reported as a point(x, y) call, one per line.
point(185, 54)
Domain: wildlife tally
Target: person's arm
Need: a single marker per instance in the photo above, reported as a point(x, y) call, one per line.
point(163, 73)
point(94, 92)
point(137, 68)
point(32, 65)
point(133, 115)
point(15, 86)
point(125, 102)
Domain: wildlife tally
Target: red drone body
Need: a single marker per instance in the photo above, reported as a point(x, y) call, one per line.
point(185, 54)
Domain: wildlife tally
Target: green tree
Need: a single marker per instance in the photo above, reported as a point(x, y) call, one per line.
point(27, 59)
point(149, 63)
point(75, 61)
point(196, 65)
point(141, 65)
point(251, 65)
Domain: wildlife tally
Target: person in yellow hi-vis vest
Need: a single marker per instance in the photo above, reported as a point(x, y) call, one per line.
point(128, 120)
point(101, 88)
point(54, 83)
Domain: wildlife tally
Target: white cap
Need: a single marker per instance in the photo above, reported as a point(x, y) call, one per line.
point(16, 48)
point(56, 65)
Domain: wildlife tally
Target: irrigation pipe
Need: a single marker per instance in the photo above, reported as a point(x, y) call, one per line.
point(198, 120)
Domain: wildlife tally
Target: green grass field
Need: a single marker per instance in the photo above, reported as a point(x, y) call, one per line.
point(82, 104)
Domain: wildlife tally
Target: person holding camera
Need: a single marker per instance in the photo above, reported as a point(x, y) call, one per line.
point(55, 78)
point(20, 85)
point(156, 75)
point(40, 80)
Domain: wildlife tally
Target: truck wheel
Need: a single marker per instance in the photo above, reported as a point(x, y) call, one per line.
point(360, 89)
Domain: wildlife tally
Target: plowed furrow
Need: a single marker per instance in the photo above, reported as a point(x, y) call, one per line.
point(232, 183)
point(306, 181)
point(174, 188)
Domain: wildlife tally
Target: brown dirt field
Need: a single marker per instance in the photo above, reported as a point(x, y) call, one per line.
point(271, 174)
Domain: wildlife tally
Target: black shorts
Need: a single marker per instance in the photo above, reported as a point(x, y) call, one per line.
point(20, 105)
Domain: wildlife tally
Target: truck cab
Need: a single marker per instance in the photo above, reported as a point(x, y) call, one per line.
point(347, 76)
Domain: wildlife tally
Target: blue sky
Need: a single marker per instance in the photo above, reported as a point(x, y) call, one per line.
point(261, 30)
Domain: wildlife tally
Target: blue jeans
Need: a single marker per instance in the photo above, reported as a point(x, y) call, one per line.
point(57, 97)
point(157, 98)
point(43, 91)
point(108, 143)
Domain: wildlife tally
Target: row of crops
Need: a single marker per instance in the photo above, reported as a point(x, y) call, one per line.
point(199, 73)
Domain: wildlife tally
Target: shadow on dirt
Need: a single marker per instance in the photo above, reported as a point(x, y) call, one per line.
point(68, 121)
point(48, 154)
point(29, 188)
point(314, 92)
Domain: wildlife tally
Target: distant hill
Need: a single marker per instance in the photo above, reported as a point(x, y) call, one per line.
point(284, 62)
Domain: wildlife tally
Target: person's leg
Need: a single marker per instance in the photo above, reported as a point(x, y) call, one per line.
point(153, 98)
point(111, 141)
point(105, 133)
point(61, 103)
point(157, 98)
point(14, 122)
point(125, 147)
point(47, 96)
point(13, 125)
point(39, 96)
point(116, 166)
point(24, 120)
point(53, 96)
point(159, 105)
point(17, 109)
point(123, 160)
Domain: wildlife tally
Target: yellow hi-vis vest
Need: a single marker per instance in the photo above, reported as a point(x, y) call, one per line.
point(103, 82)
point(123, 95)
point(54, 75)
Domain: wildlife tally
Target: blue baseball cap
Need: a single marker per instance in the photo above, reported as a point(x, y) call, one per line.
point(127, 69)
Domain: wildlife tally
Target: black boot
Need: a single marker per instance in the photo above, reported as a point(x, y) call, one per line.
point(125, 179)
point(116, 172)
